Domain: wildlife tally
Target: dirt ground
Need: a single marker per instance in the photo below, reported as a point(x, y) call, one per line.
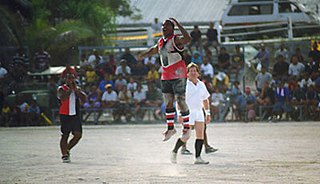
point(285, 152)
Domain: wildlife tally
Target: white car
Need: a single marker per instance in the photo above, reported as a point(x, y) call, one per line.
point(256, 12)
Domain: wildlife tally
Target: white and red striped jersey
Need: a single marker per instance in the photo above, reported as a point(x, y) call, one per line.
point(69, 105)
point(173, 67)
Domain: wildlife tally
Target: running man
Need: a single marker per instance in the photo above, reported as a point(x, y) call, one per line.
point(197, 98)
point(174, 74)
point(69, 95)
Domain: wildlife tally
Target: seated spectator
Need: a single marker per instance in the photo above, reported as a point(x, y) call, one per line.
point(132, 85)
point(305, 81)
point(235, 94)
point(312, 101)
point(224, 59)
point(139, 98)
point(110, 66)
point(125, 102)
point(91, 76)
point(298, 98)
point(196, 58)
point(218, 105)
point(33, 113)
point(314, 52)
point(266, 98)
point(206, 69)
point(153, 76)
point(139, 71)
point(3, 74)
point(110, 100)
point(5, 116)
point(282, 51)
point(106, 80)
point(154, 99)
point(221, 81)
point(295, 68)
point(262, 77)
point(95, 59)
point(311, 66)
point(299, 55)
point(263, 56)
point(247, 103)
point(186, 57)
point(131, 60)
point(119, 83)
point(41, 60)
point(93, 98)
point(237, 63)
point(280, 68)
point(83, 61)
point(149, 61)
point(123, 69)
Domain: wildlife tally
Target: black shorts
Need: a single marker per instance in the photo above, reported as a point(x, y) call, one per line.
point(70, 124)
point(175, 86)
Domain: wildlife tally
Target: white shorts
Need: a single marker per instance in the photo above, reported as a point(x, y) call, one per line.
point(196, 116)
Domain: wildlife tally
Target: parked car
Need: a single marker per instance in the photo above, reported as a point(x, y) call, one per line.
point(252, 13)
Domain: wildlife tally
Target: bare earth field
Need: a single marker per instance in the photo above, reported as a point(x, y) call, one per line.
point(283, 153)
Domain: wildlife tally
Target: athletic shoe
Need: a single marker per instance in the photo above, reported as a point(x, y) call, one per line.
point(210, 149)
point(168, 134)
point(186, 133)
point(173, 157)
point(199, 160)
point(65, 159)
point(185, 151)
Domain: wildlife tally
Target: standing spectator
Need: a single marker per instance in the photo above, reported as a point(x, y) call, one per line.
point(224, 59)
point(69, 95)
point(41, 60)
point(295, 68)
point(280, 69)
point(261, 78)
point(196, 38)
point(212, 38)
point(263, 56)
point(131, 60)
point(218, 101)
point(282, 103)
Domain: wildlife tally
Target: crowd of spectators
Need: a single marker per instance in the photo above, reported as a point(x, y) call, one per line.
point(285, 83)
